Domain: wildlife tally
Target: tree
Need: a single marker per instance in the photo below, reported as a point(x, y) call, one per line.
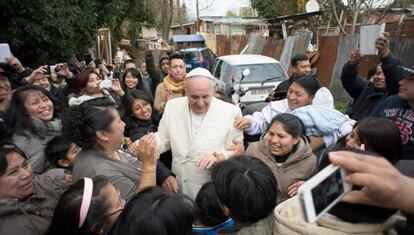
point(246, 11)
point(46, 32)
point(354, 9)
point(230, 13)
point(207, 5)
point(274, 8)
point(180, 16)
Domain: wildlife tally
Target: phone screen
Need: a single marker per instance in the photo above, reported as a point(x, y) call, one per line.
point(4, 52)
point(327, 191)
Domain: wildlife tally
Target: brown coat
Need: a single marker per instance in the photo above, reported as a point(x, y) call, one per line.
point(290, 220)
point(160, 98)
point(33, 216)
point(300, 165)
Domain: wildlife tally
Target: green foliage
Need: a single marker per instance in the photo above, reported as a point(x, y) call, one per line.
point(341, 106)
point(230, 13)
point(50, 31)
point(274, 8)
point(246, 11)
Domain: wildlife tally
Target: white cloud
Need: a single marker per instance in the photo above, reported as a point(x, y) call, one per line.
point(219, 7)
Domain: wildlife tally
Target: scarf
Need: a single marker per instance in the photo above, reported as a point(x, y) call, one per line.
point(47, 128)
point(171, 85)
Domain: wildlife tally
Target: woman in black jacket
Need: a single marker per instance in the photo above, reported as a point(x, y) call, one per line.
point(142, 119)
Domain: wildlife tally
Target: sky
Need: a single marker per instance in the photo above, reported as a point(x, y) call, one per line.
point(219, 7)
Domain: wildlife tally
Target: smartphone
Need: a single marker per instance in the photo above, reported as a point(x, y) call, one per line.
point(53, 69)
point(105, 84)
point(368, 36)
point(321, 192)
point(88, 58)
point(155, 46)
point(98, 62)
point(4, 52)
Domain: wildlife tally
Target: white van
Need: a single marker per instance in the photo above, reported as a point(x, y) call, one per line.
point(265, 75)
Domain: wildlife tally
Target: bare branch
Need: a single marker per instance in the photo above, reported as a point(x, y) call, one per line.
point(336, 17)
point(209, 4)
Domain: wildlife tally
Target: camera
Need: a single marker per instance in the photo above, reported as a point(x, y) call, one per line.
point(155, 46)
point(53, 69)
point(98, 62)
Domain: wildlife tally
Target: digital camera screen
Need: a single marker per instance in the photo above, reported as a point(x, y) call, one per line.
point(327, 191)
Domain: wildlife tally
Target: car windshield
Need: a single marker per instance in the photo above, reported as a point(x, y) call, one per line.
point(189, 55)
point(258, 73)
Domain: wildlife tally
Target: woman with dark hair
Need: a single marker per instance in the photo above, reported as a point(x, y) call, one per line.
point(378, 135)
point(97, 128)
point(246, 189)
point(312, 104)
point(374, 134)
point(132, 80)
point(153, 212)
point(32, 124)
point(87, 85)
point(287, 152)
point(90, 206)
point(26, 201)
point(140, 120)
point(140, 117)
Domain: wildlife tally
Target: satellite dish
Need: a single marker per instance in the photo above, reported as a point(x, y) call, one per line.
point(312, 6)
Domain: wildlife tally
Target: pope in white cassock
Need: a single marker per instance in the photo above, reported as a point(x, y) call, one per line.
point(198, 128)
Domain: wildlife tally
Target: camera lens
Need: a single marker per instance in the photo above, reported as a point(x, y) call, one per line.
point(57, 69)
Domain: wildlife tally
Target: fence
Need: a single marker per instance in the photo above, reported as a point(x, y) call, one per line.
point(333, 51)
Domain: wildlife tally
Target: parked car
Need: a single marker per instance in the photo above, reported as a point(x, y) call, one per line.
point(263, 76)
point(197, 57)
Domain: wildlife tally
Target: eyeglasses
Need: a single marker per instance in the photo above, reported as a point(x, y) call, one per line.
point(121, 202)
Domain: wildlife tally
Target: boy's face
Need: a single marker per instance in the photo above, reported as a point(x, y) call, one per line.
point(70, 156)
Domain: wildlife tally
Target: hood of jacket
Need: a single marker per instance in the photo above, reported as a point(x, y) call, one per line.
point(290, 220)
point(302, 150)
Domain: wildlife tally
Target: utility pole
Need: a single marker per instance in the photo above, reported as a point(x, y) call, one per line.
point(197, 15)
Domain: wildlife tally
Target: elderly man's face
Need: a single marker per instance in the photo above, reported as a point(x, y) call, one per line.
point(5, 87)
point(200, 91)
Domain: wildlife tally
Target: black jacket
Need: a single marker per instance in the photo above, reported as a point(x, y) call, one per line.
point(366, 96)
point(284, 86)
point(135, 129)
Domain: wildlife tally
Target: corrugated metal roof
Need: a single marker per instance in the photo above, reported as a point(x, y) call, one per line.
point(188, 38)
point(347, 44)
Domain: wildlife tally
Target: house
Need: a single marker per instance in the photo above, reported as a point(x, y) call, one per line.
point(188, 41)
point(184, 29)
point(228, 26)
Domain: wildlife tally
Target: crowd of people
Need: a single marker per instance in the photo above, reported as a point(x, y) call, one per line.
point(151, 149)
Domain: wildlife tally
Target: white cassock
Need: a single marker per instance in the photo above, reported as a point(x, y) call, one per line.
point(191, 136)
